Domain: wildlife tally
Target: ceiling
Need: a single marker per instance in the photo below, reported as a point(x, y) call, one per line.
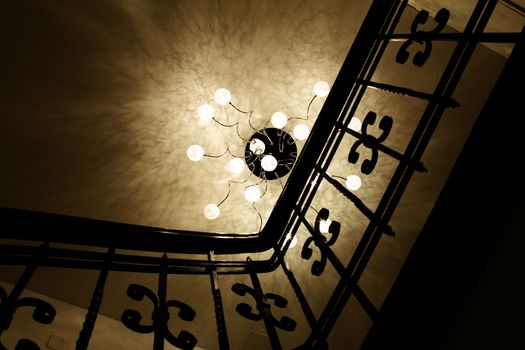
point(101, 100)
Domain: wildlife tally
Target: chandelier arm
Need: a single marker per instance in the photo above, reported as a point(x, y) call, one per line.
point(308, 108)
point(219, 155)
point(250, 121)
point(238, 134)
point(260, 217)
point(225, 125)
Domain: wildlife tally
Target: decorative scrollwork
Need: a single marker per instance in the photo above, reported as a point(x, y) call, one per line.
point(320, 241)
point(284, 323)
point(132, 318)
point(422, 56)
point(44, 313)
point(370, 141)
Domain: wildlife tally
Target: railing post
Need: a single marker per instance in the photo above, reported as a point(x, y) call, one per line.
point(94, 306)
point(224, 344)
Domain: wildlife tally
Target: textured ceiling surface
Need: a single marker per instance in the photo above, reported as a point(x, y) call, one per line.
point(100, 106)
point(100, 100)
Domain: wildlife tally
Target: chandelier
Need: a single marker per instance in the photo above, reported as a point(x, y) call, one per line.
point(269, 153)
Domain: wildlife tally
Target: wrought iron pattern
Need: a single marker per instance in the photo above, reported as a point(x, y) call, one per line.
point(320, 241)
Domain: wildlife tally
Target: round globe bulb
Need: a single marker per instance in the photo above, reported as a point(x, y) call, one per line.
point(236, 165)
point(321, 88)
point(211, 211)
point(355, 124)
point(257, 146)
point(269, 163)
point(324, 225)
point(252, 194)
point(205, 112)
point(279, 120)
point(301, 132)
point(222, 96)
point(195, 153)
point(353, 182)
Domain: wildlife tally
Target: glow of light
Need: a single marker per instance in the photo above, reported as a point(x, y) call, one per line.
point(222, 96)
point(257, 146)
point(321, 88)
point(324, 225)
point(279, 120)
point(269, 163)
point(301, 132)
point(211, 211)
point(353, 182)
point(236, 165)
point(252, 194)
point(355, 124)
point(205, 112)
point(316, 180)
point(195, 153)
point(293, 243)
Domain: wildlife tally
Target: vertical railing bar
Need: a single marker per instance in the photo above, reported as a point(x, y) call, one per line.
point(367, 305)
point(95, 303)
point(373, 217)
point(8, 307)
point(305, 306)
point(222, 333)
point(264, 309)
point(161, 317)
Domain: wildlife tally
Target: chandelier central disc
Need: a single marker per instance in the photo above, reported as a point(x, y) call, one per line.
point(267, 147)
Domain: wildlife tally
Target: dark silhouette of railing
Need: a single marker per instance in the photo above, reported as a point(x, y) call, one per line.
point(290, 213)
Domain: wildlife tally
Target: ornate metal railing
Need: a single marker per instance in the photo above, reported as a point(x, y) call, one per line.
point(226, 253)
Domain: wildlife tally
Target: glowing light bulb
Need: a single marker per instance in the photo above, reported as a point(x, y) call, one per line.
point(279, 120)
point(324, 225)
point(257, 146)
point(211, 211)
point(222, 96)
point(252, 193)
point(353, 182)
point(236, 165)
point(355, 124)
point(205, 112)
point(195, 153)
point(301, 132)
point(269, 163)
point(321, 88)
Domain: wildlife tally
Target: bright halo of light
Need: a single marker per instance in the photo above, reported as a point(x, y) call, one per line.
point(353, 182)
point(222, 96)
point(324, 225)
point(293, 243)
point(195, 153)
point(269, 163)
point(321, 88)
point(301, 132)
point(355, 124)
point(236, 165)
point(211, 211)
point(257, 146)
point(205, 112)
point(279, 120)
point(252, 193)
